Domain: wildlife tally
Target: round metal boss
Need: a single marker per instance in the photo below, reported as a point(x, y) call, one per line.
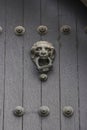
point(68, 111)
point(19, 30)
point(43, 77)
point(66, 29)
point(44, 111)
point(42, 30)
point(18, 111)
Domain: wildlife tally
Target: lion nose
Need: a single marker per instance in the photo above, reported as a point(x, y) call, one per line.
point(43, 53)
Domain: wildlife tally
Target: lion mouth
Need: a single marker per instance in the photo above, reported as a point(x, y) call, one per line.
point(43, 65)
point(43, 62)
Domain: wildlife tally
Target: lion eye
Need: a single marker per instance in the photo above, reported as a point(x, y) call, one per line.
point(38, 48)
point(48, 49)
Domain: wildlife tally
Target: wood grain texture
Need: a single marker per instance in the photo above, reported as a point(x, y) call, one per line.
point(13, 65)
point(68, 68)
point(67, 7)
point(50, 88)
point(19, 78)
point(2, 65)
point(68, 74)
point(32, 85)
point(82, 66)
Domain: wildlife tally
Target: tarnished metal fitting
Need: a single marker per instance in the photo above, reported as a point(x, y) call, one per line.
point(19, 111)
point(44, 111)
point(1, 29)
point(43, 77)
point(43, 54)
point(68, 111)
point(19, 30)
point(66, 29)
point(42, 30)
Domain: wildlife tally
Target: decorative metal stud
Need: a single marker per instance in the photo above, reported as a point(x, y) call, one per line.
point(43, 55)
point(66, 29)
point(18, 111)
point(43, 77)
point(44, 111)
point(68, 111)
point(42, 30)
point(19, 30)
point(1, 29)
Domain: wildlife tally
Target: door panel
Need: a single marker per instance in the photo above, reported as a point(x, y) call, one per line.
point(82, 67)
point(68, 73)
point(68, 64)
point(19, 79)
point(2, 65)
point(13, 65)
point(32, 85)
point(50, 88)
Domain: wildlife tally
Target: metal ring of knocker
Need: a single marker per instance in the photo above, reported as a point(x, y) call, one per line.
point(19, 30)
point(44, 111)
point(18, 111)
point(68, 111)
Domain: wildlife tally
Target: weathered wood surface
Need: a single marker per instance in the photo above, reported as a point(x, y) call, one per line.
point(68, 66)
point(82, 67)
point(2, 65)
point(32, 85)
point(13, 65)
point(19, 79)
point(50, 89)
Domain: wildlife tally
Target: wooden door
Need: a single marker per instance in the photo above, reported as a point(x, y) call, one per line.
point(19, 79)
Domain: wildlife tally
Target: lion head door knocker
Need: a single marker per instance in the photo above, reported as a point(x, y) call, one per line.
point(43, 54)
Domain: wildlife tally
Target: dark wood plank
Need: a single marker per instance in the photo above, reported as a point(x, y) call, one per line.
point(68, 74)
point(2, 54)
point(50, 88)
point(68, 65)
point(13, 65)
point(32, 85)
point(67, 7)
point(82, 65)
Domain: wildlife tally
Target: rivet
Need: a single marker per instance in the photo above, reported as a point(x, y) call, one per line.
point(66, 29)
point(43, 77)
point(44, 111)
point(42, 30)
point(18, 111)
point(19, 30)
point(68, 111)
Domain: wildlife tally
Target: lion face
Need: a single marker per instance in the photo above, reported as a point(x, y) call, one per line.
point(42, 54)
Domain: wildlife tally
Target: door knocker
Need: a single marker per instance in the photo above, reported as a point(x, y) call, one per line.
point(43, 54)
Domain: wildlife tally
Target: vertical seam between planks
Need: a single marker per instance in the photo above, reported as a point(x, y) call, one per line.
point(77, 45)
point(23, 62)
point(59, 88)
point(41, 39)
point(4, 63)
point(40, 12)
point(59, 65)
